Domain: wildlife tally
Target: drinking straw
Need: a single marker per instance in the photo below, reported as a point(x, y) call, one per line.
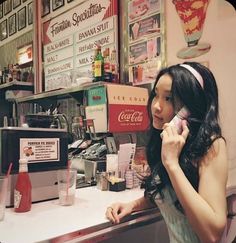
point(9, 170)
point(67, 178)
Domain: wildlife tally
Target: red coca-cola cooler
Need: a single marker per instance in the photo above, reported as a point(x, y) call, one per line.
point(118, 108)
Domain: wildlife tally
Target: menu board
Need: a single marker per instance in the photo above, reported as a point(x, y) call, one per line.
point(70, 40)
point(146, 40)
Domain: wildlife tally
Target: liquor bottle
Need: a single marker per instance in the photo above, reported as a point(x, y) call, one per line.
point(107, 66)
point(5, 75)
point(10, 72)
point(114, 67)
point(22, 192)
point(14, 73)
point(93, 64)
point(18, 72)
point(99, 66)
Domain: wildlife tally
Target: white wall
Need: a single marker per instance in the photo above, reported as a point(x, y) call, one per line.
point(219, 31)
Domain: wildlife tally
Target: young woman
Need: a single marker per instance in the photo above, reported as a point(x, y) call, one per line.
point(188, 170)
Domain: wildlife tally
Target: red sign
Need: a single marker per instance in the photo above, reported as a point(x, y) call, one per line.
point(127, 108)
point(127, 118)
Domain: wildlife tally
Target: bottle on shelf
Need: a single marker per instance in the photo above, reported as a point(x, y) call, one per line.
point(107, 66)
point(10, 72)
point(1, 76)
point(93, 63)
point(5, 75)
point(99, 66)
point(114, 67)
point(30, 77)
point(18, 72)
point(22, 192)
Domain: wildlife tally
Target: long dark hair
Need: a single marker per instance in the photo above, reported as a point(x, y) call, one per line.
point(202, 123)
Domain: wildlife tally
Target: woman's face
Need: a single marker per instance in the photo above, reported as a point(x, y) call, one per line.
point(162, 107)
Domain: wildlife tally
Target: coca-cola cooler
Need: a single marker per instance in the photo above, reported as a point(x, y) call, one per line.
point(117, 108)
point(46, 152)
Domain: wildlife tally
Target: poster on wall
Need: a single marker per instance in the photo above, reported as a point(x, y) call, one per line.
point(146, 40)
point(192, 17)
point(25, 54)
point(71, 38)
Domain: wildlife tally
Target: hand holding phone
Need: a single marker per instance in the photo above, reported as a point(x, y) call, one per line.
point(177, 120)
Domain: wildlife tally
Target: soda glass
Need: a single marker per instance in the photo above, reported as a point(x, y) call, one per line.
point(192, 14)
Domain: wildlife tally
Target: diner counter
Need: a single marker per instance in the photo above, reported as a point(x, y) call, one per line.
point(85, 220)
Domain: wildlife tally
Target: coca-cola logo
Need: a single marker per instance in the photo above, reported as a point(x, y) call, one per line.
point(130, 116)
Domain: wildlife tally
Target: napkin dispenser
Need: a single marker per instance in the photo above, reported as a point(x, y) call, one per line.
point(46, 151)
point(91, 167)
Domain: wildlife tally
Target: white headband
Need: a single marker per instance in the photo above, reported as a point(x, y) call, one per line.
point(196, 74)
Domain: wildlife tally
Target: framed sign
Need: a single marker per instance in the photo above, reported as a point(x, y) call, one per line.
point(7, 7)
point(25, 54)
point(72, 47)
point(57, 4)
point(21, 17)
point(30, 13)
point(16, 3)
point(45, 7)
point(12, 24)
point(1, 10)
point(146, 45)
point(3, 30)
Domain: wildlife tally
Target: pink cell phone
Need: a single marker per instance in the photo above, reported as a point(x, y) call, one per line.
point(177, 120)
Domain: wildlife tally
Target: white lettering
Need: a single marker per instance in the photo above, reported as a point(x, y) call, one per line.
point(126, 116)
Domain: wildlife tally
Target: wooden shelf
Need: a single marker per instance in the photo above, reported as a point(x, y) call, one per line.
point(17, 85)
point(59, 94)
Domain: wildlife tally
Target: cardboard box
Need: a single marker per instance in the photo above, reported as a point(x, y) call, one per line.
point(127, 108)
point(97, 96)
point(98, 113)
point(121, 108)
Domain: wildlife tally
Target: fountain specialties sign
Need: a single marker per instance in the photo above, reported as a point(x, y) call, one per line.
point(70, 40)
